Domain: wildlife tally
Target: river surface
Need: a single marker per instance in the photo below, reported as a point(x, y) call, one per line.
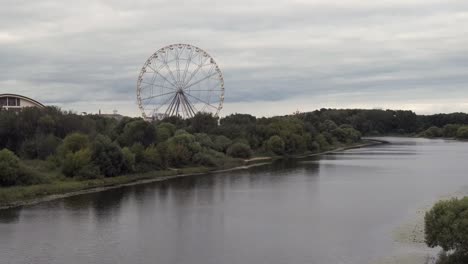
point(333, 209)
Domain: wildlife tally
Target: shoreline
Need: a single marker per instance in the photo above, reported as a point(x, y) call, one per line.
point(147, 178)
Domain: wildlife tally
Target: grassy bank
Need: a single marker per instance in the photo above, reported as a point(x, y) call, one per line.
point(59, 187)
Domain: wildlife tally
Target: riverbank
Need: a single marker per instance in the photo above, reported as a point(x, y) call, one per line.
point(27, 195)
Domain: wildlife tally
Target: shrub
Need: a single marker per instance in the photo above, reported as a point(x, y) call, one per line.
point(239, 150)
point(446, 225)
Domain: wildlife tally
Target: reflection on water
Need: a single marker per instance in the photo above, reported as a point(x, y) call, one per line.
point(339, 208)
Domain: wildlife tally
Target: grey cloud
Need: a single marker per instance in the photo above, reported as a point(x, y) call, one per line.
point(73, 52)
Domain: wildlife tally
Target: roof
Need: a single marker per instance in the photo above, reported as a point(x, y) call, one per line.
point(22, 97)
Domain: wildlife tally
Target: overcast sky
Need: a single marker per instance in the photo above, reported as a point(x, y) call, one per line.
point(277, 56)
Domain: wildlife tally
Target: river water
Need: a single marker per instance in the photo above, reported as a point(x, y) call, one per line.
point(338, 208)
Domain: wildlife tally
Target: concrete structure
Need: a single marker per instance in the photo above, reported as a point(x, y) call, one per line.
point(17, 102)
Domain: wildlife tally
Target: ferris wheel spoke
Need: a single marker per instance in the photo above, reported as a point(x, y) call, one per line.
point(189, 60)
point(169, 68)
point(205, 90)
point(161, 86)
point(202, 64)
point(191, 106)
point(163, 104)
point(159, 95)
point(157, 72)
point(199, 81)
point(178, 61)
point(202, 101)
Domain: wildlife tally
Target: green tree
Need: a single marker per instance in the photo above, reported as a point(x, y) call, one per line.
point(221, 143)
point(137, 131)
point(203, 123)
point(9, 168)
point(450, 130)
point(446, 225)
point(432, 132)
point(164, 131)
point(129, 160)
point(239, 150)
point(108, 156)
point(13, 172)
point(152, 158)
point(276, 145)
point(462, 132)
point(79, 164)
point(73, 143)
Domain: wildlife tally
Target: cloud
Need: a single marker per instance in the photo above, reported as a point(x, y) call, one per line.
point(86, 55)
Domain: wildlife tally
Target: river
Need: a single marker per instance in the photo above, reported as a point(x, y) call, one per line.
point(338, 208)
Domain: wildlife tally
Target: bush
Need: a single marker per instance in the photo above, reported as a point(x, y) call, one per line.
point(239, 150)
point(446, 225)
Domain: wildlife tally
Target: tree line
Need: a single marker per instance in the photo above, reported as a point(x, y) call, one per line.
point(90, 146)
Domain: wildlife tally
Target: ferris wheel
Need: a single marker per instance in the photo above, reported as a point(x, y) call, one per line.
point(180, 80)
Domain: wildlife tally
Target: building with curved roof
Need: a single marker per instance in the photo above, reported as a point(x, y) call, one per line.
point(17, 102)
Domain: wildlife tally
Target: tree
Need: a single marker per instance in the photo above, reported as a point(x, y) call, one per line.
point(276, 145)
point(164, 131)
point(13, 172)
point(221, 143)
point(79, 164)
point(137, 131)
point(9, 168)
point(74, 142)
point(239, 150)
point(432, 132)
point(152, 158)
point(462, 132)
point(108, 156)
point(203, 123)
point(129, 160)
point(446, 225)
point(181, 148)
point(450, 130)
